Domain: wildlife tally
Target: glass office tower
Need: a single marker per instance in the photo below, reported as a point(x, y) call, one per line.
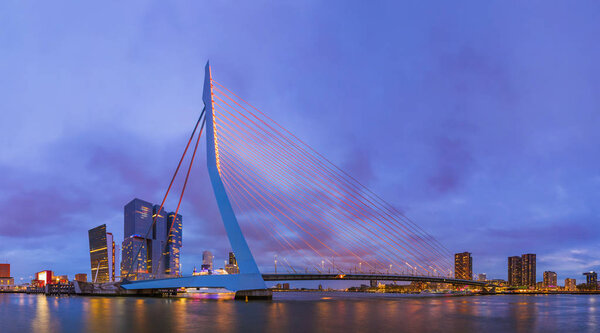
point(99, 261)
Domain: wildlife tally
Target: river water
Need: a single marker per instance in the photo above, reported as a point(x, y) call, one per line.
point(302, 312)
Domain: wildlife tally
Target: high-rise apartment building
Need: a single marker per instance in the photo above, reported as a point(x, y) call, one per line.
point(207, 261)
point(174, 242)
point(528, 269)
point(591, 279)
point(463, 266)
point(158, 243)
point(514, 271)
point(570, 284)
point(550, 279)
point(232, 267)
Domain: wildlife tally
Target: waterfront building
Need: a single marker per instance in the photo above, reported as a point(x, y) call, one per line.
point(4, 270)
point(514, 271)
point(43, 278)
point(463, 266)
point(174, 243)
point(570, 285)
point(231, 267)
point(160, 242)
point(207, 261)
point(6, 281)
point(591, 279)
point(81, 277)
point(99, 254)
point(139, 265)
point(550, 279)
point(113, 257)
point(499, 282)
point(528, 269)
point(482, 277)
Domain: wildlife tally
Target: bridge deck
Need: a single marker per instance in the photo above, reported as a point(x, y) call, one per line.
point(366, 277)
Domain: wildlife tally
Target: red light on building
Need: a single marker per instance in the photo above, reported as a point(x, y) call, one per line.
point(4, 270)
point(43, 278)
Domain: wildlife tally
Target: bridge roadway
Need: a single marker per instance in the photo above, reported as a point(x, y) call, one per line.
point(367, 277)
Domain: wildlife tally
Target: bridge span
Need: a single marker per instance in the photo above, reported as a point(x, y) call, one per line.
point(368, 277)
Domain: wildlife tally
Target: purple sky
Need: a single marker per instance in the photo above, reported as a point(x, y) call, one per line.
point(480, 121)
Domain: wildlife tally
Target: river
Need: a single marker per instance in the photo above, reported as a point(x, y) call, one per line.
point(302, 312)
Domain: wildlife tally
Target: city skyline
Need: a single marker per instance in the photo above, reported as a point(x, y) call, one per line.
point(508, 159)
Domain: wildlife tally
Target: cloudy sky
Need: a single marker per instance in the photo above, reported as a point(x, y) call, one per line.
point(479, 120)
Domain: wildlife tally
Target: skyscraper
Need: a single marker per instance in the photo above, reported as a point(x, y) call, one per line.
point(528, 269)
point(174, 242)
point(591, 279)
point(140, 266)
point(463, 266)
point(207, 261)
point(99, 258)
point(514, 271)
point(232, 267)
point(550, 279)
point(161, 249)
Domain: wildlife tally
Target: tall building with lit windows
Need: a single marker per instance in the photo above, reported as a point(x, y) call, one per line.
point(591, 279)
point(148, 234)
point(232, 267)
point(514, 271)
point(174, 242)
point(101, 262)
point(550, 279)
point(570, 284)
point(528, 269)
point(463, 266)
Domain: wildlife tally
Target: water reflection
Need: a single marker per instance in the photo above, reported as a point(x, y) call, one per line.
point(301, 312)
point(41, 321)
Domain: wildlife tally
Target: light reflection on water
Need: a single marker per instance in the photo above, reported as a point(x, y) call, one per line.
point(301, 312)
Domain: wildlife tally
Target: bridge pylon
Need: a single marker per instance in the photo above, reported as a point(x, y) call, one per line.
point(249, 283)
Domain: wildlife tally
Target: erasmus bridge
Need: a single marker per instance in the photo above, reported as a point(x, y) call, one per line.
point(281, 198)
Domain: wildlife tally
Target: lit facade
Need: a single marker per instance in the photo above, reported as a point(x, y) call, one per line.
point(463, 266)
point(43, 278)
point(99, 259)
point(161, 245)
point(174, 242)
point(81, 277)
point(232, 267)
point(591, 279)
point(570, 284)
point(6, 281)
point(140, 266)
point(4, 270)
point(550, 279)
point(514, 271)
point(528, 269)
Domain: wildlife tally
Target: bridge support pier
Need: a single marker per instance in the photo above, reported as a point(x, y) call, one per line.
point(254, 294)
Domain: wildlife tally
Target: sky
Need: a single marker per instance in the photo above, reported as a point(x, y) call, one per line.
point(479, 120)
